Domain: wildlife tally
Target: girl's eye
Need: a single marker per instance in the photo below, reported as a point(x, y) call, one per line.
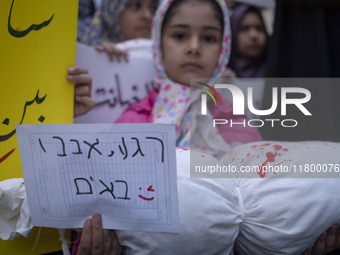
point(244, 28)
point(153, 9)
point(135, 6)
point(179, 36)
point(209, 39)
point(259, 28)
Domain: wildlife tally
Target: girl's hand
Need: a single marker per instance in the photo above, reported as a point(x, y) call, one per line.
point(97, 241)
point(326, 243)
point(112, 51)
point(83, 102)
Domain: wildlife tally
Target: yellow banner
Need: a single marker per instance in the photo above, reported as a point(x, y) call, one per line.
point(38, 39)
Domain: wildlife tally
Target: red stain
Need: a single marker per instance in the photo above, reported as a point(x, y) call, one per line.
point(277, 147)
point(202, 156)
point(7, 155)
point(270, 158)
point(248, 154)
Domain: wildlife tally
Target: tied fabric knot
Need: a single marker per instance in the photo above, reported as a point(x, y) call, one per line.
point(15, 217)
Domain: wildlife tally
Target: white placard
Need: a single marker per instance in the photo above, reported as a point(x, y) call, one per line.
point(116, 85)
point(126, 172)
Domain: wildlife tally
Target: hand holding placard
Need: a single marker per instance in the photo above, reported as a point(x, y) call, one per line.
point(124, 171)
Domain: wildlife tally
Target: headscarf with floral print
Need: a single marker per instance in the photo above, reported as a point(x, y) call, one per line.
point(178, 104)
point(106, 28)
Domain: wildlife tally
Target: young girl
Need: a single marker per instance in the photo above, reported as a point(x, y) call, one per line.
point(120, 20)
point(185, 47)
point(191, 40)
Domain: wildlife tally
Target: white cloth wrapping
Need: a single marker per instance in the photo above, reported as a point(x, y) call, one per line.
point(209, 212)
point(286, 215)
point(14, 213)
point(15, 217)
point(274, 215)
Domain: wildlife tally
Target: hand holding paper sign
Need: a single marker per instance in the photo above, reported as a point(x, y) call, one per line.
point(83, 102)
point(112, 51)
point(329, 241)
point(116, 86)
point(124, 171)
point(96, 240)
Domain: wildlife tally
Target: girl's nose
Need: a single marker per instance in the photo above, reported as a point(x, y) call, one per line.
point(147, 14)
point(254, 32)
point(194, 46)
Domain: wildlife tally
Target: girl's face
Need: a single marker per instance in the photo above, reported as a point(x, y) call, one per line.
point(191, 42)
point(136, 20)
point(251, 38)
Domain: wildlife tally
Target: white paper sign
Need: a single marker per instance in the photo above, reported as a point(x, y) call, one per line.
point(126, 172)
point(116, 85)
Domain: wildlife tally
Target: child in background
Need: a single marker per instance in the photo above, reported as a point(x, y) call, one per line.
point(187, 47)
point(249, 43)
point(86, 12)
point(120, 20)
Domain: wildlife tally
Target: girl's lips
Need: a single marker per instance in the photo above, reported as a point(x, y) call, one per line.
point(192, 66)
point(255, 46)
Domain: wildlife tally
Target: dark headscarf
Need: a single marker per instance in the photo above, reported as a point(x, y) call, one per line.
point(86, 11)
point(306, 44)
point(306, 39)
point(245, 67)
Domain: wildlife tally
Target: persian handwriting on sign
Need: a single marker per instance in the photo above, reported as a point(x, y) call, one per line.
point(37, 100)
point(117, 96)
point(17, 33)
point(115, 88)
point(5, 137)
point(124, 171)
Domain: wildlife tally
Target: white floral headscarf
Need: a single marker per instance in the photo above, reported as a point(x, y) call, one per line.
point(174, 100)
